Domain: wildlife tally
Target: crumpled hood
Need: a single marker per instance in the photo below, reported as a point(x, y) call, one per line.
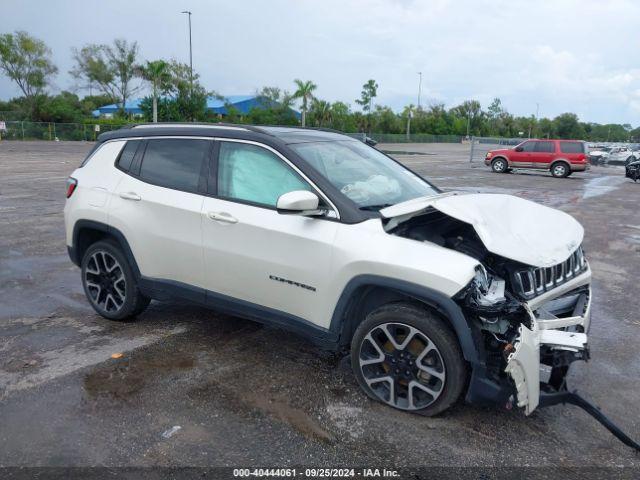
point(508, 226)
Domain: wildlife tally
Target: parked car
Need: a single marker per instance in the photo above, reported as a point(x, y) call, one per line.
point(599, 154)
point(560, 157)
point(632, 170)
point(619, 156)
point(435, 295)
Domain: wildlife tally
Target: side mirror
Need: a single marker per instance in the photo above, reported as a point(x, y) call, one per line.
point(299, 202)
point(519, 149)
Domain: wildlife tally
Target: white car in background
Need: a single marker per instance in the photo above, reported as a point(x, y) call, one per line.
point(611, 155)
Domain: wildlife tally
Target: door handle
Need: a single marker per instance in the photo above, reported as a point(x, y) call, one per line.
point(222, 217)
point(130, 196)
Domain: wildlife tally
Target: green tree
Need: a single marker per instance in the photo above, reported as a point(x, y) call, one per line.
point(304, 91)
point(158, 74)
point(567, 125)
point(320, 112)
point(26, 61)
point(471, 112)
point(110, 68)
point(369, 92)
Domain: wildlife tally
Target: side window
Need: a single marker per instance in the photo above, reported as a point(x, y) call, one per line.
point(127, 154)
point(175, 163)
point(528, 146)
point(254, 174)
point(571, 147)
point(545, 147)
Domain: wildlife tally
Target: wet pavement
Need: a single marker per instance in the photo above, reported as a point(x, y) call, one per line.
point(246, 395)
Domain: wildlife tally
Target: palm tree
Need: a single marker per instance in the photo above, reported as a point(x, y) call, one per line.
point(305, 92)
point(321, 110)
point(158, 73)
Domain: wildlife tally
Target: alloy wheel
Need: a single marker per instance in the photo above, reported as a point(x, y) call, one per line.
point(559, 170)
point(499, 166)
point(402, 366)
point(105, 281)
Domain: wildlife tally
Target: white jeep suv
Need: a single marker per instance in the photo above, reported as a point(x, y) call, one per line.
point(436, 295)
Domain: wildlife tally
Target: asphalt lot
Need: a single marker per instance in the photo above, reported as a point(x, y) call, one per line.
point(247, 395)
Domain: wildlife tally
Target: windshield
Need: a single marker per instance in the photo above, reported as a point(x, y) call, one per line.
point(366, 176)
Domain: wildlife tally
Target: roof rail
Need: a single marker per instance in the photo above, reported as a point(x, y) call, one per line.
point(234, 126)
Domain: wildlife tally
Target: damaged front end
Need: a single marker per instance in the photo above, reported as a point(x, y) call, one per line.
point(530, 343)
point(528, 308)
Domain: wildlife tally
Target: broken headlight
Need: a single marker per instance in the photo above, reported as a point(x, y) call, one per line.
point(487, 296)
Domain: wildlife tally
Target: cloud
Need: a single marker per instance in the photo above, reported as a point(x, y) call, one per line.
point(566, 55)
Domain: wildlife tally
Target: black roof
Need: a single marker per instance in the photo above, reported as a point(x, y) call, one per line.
point(284, 134)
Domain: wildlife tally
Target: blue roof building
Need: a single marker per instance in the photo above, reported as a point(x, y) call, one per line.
point(242, 103)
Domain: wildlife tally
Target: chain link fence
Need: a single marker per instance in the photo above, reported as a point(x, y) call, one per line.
point(24, 130)
point(19, 130)
point(479, 146)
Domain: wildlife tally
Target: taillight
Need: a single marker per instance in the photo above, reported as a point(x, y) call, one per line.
point(72, 183)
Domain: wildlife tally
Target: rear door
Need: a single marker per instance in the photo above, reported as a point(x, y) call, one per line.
point(158, 206)
point(543, 154)
point(252, 252)
point(572, 151)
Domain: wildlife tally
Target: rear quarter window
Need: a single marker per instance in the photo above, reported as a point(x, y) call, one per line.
point(127, 154)
point(571, 147)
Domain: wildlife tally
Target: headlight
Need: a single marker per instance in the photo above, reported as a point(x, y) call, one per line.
point(489, 154)
point(489, 289)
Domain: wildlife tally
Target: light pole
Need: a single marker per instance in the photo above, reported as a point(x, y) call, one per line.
point(419, 89)
point(536, 119)
point(190, 55)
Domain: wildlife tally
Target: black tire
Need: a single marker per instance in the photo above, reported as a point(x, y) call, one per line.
point(119, 283)
point(445, 359)
point(560, 170)
point(499, 165)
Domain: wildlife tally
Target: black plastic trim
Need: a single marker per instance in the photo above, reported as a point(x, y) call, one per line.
point(443, 304)
point(160, 289)
point(102, 227)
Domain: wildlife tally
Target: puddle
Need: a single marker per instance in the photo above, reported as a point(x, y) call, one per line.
point(601, 186)
point(128, 376)
point(250, 403)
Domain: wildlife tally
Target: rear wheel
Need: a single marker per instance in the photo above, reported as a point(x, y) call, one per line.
point(560, 170)
point(109, 283)
point(499, 165)
point(407, 357)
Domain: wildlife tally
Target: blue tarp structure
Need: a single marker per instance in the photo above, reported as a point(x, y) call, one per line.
point(243, 103)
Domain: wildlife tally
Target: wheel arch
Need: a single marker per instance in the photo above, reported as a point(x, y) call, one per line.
point(560, 160)
point(87, 232)
point(503, 158)
point(365, 293)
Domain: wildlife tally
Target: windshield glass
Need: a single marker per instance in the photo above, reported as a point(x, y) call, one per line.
point(368, 177)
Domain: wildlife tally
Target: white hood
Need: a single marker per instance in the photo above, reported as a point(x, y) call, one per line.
point(508, 226)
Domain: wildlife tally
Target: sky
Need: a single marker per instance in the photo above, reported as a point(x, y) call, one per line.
point(578, 56)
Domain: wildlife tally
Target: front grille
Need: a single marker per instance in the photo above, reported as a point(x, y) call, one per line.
point(533, 281)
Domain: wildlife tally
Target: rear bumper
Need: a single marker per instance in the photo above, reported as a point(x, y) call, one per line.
point(580, 167)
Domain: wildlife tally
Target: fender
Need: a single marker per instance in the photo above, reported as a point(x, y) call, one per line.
point(110, 231)
point(442, 303)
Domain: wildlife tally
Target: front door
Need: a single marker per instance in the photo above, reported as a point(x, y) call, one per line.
point(252, 252)
point(521, 155)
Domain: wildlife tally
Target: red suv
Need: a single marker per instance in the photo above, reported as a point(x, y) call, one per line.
point(560, 157)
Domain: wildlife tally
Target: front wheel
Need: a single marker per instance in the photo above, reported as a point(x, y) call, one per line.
point(109, 283)
point(499, 165)
point(407, 357)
